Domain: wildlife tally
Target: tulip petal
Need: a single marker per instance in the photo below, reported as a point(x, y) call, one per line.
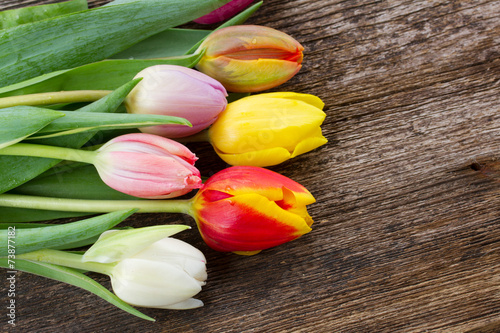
point(115, 245)
point(175, 90)
point(308, 145)
point(248, 222)
point(291, 204)
point(178, 253)
point(248, 179)
point(257, 123)
point(259, 75)
point(160, 284)
point(247, 253)
point(163, 175)
point(250, 58)
point(265, 157)
point(148, 141)
point(191, 303)
point(307, 98)
point(242, 38)
point(175, 93)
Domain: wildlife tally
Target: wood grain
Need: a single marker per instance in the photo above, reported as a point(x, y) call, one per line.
point(406, 235)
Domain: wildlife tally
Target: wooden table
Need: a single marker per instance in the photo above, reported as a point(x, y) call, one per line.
point(406, 235)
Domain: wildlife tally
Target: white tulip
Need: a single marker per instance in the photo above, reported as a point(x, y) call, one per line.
point(164, 275)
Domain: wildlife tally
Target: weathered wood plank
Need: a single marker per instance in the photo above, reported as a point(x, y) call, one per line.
point(406, 235)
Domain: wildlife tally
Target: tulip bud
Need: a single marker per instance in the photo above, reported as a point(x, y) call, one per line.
point(250, 58)
point(177, 91)
point(268, 129)
point(225, 12)
point(171, 273)
point(147, 166)
point(248, 209)
point(165, 273)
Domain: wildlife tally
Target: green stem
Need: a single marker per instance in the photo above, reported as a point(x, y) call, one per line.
point(66, 259)
point(198, 137)
point(28, 149)
point(96, 206)
point(56, 97)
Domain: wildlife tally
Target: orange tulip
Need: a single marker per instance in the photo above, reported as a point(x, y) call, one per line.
point(250, 58)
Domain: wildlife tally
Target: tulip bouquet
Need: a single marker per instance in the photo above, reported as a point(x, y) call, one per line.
point(116, 110)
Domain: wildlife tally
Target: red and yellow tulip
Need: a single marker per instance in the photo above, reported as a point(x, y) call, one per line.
point(248, 209)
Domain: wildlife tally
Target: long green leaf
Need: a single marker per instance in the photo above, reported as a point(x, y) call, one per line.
point(15, 17)
point(32, 239)
point(18, 225)
point(82, 182)
point(74, 180)
point(169, 43)
point(174, 42)
point(105, 75)
point(84, 37)
point(16, 170)
point(8, 215)
point(17, 124)
point(72, 245)
point(102, 75)
point(72, 277)
point(77, 122)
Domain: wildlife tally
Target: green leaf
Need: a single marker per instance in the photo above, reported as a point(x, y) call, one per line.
point(65, 181)
point(80, 38)
point(118, 244)
point(77, 122)
point(17, 123)
point(236, 20)
point(102, 75)
point(15, 17)
point(169, 43)
point(109, 74)
point(76, 244)
point(16, 170)
point(174, 42)
point(111, 102)
point(72, 277)
point(9, 214)
point(23, 225)
point(32, 239)
point(72, 245)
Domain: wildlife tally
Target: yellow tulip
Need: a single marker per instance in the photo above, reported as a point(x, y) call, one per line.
point(268, 129)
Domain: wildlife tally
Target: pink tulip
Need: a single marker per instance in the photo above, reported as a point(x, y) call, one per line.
point(225, 12)
point(177, 91)
point(147, 166)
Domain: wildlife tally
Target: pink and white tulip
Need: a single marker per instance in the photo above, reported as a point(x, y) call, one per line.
point(177, 91)
point(147, 166)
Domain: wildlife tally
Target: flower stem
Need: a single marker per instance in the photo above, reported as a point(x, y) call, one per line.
point(28, 149)
point(95, 206)
point(198, 137)
point(53, 98)
point(67, 259)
